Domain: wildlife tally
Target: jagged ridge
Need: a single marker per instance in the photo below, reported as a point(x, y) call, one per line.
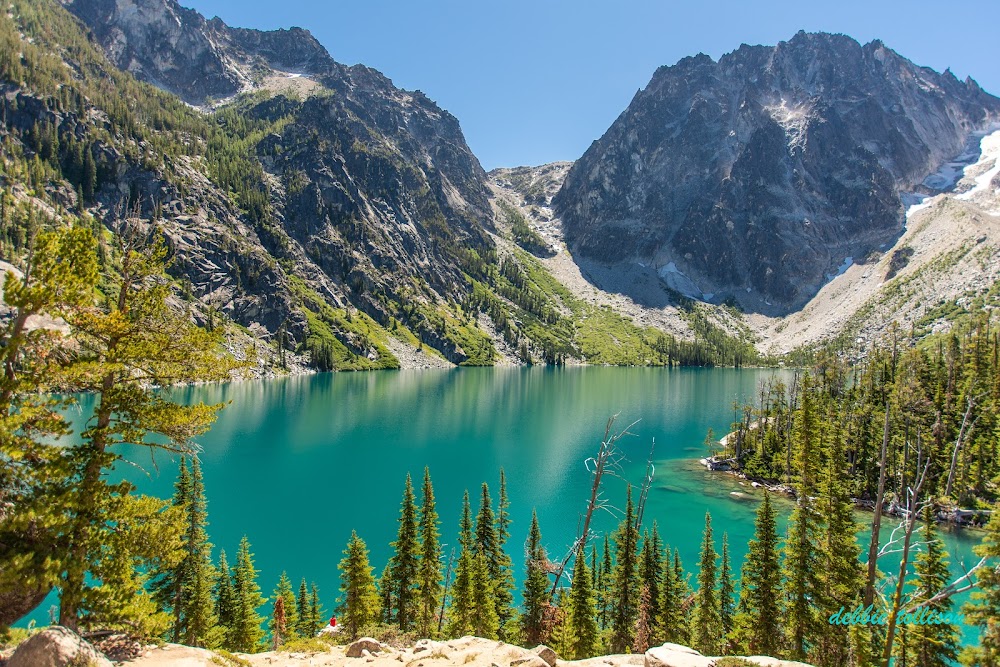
point(756, 175)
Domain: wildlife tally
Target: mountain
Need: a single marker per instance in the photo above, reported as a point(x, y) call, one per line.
point(361, 197)
point(318, 213)
point(752, 179)
point(178, 50)
point(326, 218)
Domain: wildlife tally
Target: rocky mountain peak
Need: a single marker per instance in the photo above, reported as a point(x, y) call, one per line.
point(755, 176)
point(177, 49)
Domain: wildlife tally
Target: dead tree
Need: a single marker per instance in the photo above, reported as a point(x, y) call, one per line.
point(608, 461)
point(962, 434)
point(647, 483)
point(913, 507)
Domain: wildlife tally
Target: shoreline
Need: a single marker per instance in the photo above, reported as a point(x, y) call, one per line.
point(717, 464)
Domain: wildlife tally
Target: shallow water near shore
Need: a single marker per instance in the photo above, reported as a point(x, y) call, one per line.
point(297, 463)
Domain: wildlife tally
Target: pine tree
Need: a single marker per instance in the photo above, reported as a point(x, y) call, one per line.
point(727, 600)
point(387, 595)
point(840, 577)
point(757, 623)
point(303, 626)
point(315, 611)
point(488, 544)
point(582, 610)
point(198, 604)
point(359, 600)
point(707, 626)
point(536, 586)
point(624, 603)
point(484, 613)
point(405, 562)
point(225, 597)
point(127, 347)
point(932, 644)
point(245, 634)
point(983, 608)
point(168, 584)
point(604, 585)
point(801, 559)
point(59, 277)
point(462, 605)
point(686, 598)
point(504, 566)
point(650, 576)
point(671, 604)
point(284, 590)
point(429, 571)
point(561, 635)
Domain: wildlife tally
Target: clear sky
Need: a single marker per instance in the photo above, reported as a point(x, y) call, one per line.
point(534, 81)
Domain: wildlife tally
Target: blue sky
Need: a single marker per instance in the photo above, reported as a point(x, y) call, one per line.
point(534, 81)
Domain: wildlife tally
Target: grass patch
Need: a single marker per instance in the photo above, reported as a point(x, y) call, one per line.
point(522, 234)
point(342, 340)
point(307, 645)
point(11, 637)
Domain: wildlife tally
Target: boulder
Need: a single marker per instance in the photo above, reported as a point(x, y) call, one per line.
point(675, 655)
point(357, 648)
point(546, 654)
point(530, 661)
point(57, 647)
point(426, 645)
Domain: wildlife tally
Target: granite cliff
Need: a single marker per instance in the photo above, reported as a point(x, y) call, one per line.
point(752, 178)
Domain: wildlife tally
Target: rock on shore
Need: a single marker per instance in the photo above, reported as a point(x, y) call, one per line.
point(58, 647)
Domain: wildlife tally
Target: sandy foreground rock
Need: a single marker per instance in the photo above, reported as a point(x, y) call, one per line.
point(467, 652)
point(56, 647)
point(59, 647)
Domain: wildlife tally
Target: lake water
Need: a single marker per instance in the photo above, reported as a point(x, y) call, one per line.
point(297, 463)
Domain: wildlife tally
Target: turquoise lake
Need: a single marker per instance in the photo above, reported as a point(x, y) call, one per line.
point(297, 463)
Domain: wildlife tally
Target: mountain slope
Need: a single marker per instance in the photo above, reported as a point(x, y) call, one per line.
point(352, 225)
point(753, 177)
point(178, 50)
point(944, 267)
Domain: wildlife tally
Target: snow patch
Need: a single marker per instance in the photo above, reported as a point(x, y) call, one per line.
point(982, 148)
point(673, 278)
point(990, 146)
point(793, 120)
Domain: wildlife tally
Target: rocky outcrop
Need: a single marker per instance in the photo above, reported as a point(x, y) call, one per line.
point(56, 646)
point(374, 197)
point(675, 655)
point(754, 177)
point(364, 646)
point(177, 49)
point(464, 652)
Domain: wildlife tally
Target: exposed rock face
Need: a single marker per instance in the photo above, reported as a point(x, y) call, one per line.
point(756, 176)
point(56, 647)
point(374, 193)
point(360, 647)
point(377, 182)
point(179, 50)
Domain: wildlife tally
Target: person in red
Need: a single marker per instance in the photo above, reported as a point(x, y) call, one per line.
point(333, 621)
